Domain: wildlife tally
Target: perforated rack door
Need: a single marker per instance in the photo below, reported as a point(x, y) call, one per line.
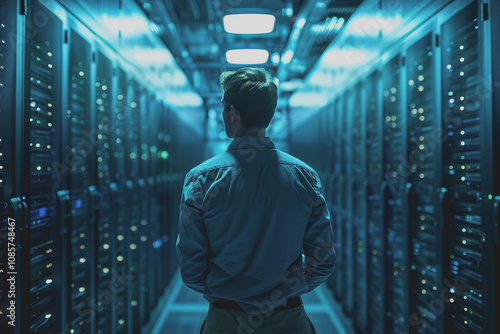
point(358, 214)
point(46, 170)
point(119, 202)
point(133, 186)
point(465, 260)
point(80, 178)
point(163, 148)
point(105, 238)
point(145, 193)
point(426, 230)
point(8, 55)
point(374, 208)
point(154, 183)
point(396, 229)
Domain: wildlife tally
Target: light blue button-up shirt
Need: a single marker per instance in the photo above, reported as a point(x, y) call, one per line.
point(254, 227)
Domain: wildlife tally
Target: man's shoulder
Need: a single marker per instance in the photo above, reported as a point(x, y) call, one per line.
point(289, 159)
point(220, 160)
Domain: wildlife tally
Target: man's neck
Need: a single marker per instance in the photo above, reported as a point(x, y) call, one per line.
point(251, 133)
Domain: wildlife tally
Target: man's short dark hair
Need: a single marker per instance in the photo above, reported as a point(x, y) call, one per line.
point(253, 92)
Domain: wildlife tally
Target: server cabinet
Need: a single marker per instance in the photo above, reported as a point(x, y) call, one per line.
point(154, 181)
point(105, 236)
point(79, 153)
point(47, 219)
point(133, 222)
point(121, 211)
point(468, 239)
point(10, 124)
point(165, 212)
point(425, 229)
point(375, 207)
point(164, 209)
point(397, 297)
point(145, 193)
point(358, 213)
point(495, 129)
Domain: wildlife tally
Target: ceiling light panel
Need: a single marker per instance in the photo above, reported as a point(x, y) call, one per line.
point(249, 23)
point(247, 56)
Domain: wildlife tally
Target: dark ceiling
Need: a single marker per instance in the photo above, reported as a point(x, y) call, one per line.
point(193, 32)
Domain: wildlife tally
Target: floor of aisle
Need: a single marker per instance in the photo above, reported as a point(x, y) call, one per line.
point(184, 311)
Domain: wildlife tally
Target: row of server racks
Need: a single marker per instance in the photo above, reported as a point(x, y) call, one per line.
point(412, 181)
point(84, 183)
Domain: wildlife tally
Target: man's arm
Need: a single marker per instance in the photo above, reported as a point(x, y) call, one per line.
point(318, 243)
point(192, 242)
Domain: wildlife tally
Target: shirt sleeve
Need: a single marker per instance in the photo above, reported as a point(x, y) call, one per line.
point(319, 253)
point(192, 242)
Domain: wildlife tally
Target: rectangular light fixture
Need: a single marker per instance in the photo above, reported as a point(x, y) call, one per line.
point(249, 23)
point(247, 56)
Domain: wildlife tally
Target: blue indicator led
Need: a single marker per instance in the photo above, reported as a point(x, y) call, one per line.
point(42, 212)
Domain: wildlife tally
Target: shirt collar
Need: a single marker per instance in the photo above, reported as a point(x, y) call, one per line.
point(251, 142)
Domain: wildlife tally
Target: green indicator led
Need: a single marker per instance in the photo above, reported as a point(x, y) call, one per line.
point(490, 196)
point(452, 257)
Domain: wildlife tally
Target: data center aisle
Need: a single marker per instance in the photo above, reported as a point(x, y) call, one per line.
point(184, 311)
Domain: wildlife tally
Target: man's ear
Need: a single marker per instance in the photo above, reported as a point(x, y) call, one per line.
point(233, 111)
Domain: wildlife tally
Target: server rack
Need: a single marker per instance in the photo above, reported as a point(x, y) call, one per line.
point(438, 174)
point(48, 213)
point(375, 192)
point(467, 229)
point(494, 207)
point(164, 208)
point(154, 181)
point(359, 209)
point(426, 231)
point(134, 204)
point(120, 273)
point(79, 155)
point(394, 219)
point(69, 122)
point(11, 204)
point(105, 236)
point(175, 181)
point(145, 191)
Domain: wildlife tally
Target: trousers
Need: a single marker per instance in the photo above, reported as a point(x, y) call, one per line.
point(288, 321)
